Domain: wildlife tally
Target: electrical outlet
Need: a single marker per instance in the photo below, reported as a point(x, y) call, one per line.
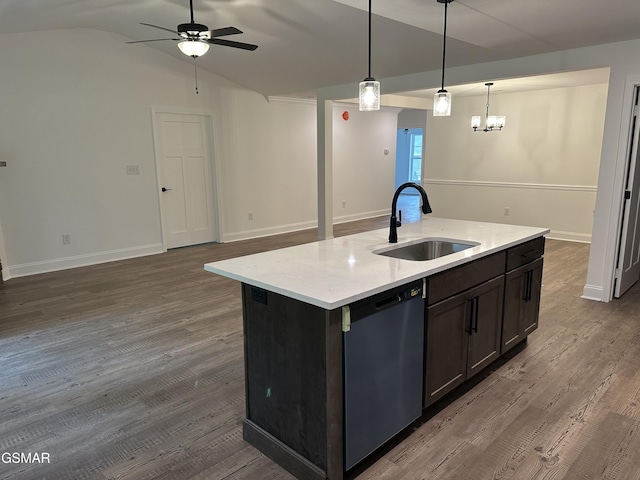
point(133, 169)
point(66, 239)
point(507, 211)
point(344, 204)
point(250, 215)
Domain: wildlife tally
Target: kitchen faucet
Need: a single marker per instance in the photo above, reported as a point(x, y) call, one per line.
point(426, 208)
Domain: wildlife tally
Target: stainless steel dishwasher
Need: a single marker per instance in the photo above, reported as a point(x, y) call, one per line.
point(383, 369)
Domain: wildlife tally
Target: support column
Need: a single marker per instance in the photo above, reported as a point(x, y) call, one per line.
point(324, 109)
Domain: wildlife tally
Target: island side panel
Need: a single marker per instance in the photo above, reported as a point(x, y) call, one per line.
point(335, 395)
point(293, 371)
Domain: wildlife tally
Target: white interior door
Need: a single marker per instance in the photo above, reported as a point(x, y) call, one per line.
point(184, 174)
point(628, 267)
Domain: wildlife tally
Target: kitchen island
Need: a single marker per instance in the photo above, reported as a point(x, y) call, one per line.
point(474, 305)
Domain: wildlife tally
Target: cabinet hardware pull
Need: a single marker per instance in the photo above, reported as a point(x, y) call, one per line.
point(473, 315)
point(476, 308)
point(528, 285)
point(470, 302)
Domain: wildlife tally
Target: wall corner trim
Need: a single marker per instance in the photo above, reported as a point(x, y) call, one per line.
point(593, 292)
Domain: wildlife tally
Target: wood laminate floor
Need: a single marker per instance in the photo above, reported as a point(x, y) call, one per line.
point(134, 370)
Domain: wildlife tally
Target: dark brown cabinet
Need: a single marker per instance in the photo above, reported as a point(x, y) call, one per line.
point(463, 332)
point(523, 285)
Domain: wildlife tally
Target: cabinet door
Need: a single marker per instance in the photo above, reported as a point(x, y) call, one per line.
point(521, 303)
point(485, 303)
point(531, 304)
point(446, 346)
point(514, 291)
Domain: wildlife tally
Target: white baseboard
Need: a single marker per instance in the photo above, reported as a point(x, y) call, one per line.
point(295, 227)
point(265, 232)
point(593, 292)
point(56, 264)
point(569, 236)
point(362, 216)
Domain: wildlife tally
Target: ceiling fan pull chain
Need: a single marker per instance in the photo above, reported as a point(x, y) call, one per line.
point(195, 69)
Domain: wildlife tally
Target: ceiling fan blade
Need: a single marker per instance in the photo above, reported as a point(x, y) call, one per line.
point(229, 43)
point(155, 40)
point(161, 28)
point(221, 32)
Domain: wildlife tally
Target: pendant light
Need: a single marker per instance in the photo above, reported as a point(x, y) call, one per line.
point(491, 122)
point(369, 88)
point(442, 98)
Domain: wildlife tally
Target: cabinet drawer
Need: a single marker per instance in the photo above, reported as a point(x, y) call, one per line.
point(525, 253)
point(458, 279)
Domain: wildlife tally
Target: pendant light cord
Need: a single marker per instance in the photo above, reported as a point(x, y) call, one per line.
point(444, 41)
point(369, 71)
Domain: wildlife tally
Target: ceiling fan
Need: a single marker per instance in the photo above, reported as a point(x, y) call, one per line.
point(194, 39)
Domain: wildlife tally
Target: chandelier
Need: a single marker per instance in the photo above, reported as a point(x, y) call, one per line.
point(491, 122)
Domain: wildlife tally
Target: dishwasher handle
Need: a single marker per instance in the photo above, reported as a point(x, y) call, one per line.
point(388, 302)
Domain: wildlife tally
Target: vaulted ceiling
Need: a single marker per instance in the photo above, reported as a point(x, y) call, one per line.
point(308, 44)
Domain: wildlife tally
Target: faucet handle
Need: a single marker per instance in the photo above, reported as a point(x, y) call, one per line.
point(399, 221)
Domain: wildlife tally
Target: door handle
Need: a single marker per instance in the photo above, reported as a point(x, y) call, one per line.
point(165, 189)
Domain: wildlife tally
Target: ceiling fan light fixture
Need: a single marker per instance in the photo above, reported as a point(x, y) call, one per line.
point(193, 48)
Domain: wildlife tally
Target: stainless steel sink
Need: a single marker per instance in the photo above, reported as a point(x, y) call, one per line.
point(422, 250)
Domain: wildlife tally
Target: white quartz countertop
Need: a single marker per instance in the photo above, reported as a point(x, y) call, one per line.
point(335, 272)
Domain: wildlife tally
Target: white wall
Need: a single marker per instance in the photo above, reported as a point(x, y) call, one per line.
point(269, 165)
point(543, 166)
point(624, 63)
point(76, 110)
point(364, 162)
